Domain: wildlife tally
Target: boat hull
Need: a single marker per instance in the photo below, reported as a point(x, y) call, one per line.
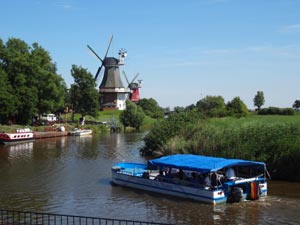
point(150, 185)
point(81, 132)
point(15, 138)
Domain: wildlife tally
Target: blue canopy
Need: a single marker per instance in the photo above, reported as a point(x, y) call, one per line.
point(203, 164)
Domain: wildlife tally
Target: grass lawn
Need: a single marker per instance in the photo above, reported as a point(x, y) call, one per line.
point(255, 119)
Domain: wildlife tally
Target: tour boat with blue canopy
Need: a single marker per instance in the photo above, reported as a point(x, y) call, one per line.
point(201, 178)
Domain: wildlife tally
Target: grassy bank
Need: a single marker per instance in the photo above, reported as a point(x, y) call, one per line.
point(272, 139)
point(102, 116)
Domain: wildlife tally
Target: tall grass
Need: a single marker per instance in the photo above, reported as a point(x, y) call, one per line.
point(272, 139)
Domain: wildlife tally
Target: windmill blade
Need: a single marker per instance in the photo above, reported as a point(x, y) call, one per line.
point(90, 48)
point(108, 46)
point(135, 77)
point(125, 77)
point(98, 72)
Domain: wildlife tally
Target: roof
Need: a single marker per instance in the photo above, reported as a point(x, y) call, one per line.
point(200, 163)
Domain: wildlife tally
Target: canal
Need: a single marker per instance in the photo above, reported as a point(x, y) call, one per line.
point(71, 175)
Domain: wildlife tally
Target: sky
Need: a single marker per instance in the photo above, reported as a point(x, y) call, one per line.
point(182, 50)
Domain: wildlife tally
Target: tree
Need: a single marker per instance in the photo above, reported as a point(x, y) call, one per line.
point(51, 88)
point(259, 99)
point(16, 63)
point(296, 105)
point(132, 116)
point(151, 108)
point(29, 72)
point(191, 107)
point(84, 96)
point(212, 106)
point(7, 98)
point(179, 109)
point(236, 107)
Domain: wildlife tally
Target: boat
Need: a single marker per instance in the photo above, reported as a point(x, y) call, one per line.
point(21, 135)
point(81, 132)
point(201, 178)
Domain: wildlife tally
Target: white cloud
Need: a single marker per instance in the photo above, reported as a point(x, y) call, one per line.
point(290, 28)
point(225, 56)
point(64, 4)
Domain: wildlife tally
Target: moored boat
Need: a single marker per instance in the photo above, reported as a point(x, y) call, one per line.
point(201, 178)
point(21, 135)
point(81, 132)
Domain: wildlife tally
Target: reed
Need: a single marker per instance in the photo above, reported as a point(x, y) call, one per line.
point(272, 139)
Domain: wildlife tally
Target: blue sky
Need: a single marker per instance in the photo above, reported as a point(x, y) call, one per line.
point(183, 50)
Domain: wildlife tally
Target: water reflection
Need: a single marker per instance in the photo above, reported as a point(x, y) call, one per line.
point(17, 150)
point(71, 175)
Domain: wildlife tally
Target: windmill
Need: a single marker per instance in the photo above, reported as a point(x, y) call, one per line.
point(113, 94)
point(134, 87)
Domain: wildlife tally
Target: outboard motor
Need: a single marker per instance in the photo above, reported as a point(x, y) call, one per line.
point(236, 195)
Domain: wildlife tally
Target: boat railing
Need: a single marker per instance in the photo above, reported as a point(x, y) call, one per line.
point(245, 180)
point(8, 217)
point(131, 171)
point(188, 181)
point(154, 175)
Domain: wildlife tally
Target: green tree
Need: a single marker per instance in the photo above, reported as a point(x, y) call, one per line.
point(212, 106)
point(259, 99)
point(236, 107)
point(179, 109)
point(16, 63)
point(32, 76)
point(296, 105)
point(84, 96)
point(7, 98)
point(51, 88)
point(151, 108)
point(191, 107)
point(132, 116)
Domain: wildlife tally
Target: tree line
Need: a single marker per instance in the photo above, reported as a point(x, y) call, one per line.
point(30, 84)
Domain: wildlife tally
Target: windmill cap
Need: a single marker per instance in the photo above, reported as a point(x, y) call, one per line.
point(110, 61)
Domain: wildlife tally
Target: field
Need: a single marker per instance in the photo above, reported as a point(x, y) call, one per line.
point(256, 119)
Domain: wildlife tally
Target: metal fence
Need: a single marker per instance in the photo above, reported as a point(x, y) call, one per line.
point(8, 217)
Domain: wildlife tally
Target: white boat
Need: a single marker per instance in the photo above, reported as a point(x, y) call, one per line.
point(201, 178)
point(81, 132)
point(21, 135)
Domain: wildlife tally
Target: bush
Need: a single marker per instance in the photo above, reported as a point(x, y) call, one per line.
point(164, 130)
point(237, 108)
point(276, 111)
point(132, 116)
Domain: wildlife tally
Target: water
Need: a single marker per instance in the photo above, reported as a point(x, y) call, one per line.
point(71, 175)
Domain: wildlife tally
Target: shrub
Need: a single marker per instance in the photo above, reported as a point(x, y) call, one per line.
point(276, 111)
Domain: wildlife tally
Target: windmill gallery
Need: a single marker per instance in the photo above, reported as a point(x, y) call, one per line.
point(113, 94)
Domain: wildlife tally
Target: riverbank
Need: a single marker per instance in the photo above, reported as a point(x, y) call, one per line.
point(274, 140)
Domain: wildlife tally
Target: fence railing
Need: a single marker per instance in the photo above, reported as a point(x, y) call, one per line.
point(8, 217)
